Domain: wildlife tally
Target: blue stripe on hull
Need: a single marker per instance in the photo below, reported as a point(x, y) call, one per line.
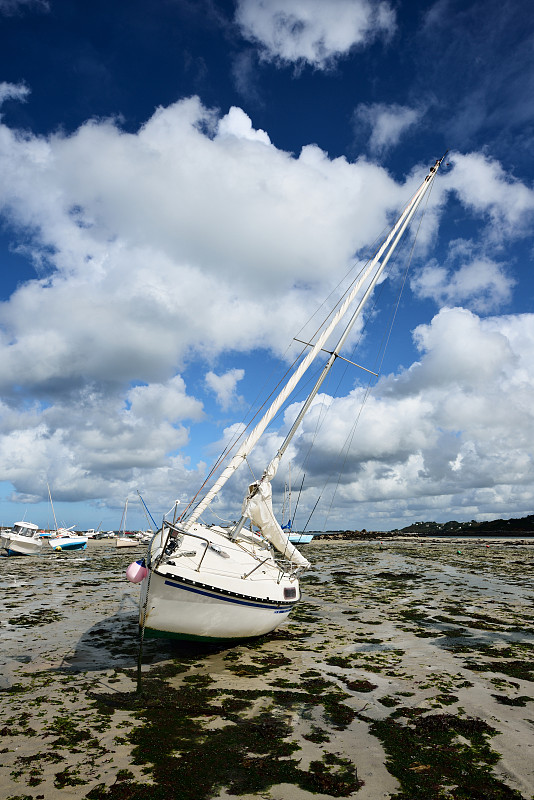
point(266, 606)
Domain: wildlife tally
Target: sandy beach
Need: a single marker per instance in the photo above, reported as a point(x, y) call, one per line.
point(406, 672)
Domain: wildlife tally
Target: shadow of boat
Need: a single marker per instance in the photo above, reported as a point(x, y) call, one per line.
point(114, 642)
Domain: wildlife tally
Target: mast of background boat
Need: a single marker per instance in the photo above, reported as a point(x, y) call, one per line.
point(51, 503)
point(335, 352)
point(255, 434)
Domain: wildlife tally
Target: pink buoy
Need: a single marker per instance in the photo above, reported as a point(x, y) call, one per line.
point(136, 572)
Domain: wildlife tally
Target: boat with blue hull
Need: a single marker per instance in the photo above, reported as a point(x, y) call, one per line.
point(65, 540)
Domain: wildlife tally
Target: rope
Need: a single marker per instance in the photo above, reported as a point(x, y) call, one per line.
point(142, 636)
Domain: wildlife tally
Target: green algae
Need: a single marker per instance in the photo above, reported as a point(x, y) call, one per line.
point(250, 752)
point(359, 685)
point(398, 576)
point(430, 758)
point(44, 616)
point(305, 706)
point(521, 701)
point(339, 661)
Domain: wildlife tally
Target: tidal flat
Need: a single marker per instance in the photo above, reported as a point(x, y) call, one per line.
point(406, 673)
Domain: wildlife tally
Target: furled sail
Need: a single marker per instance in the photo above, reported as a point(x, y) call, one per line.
point(258, 507)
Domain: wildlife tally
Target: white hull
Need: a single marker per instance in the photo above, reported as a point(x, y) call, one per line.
point(221, 591)
point(20, 545)
point(300, 538)
point(127, 543)
point(68, 542)
point(21, 540)
point(182, 611)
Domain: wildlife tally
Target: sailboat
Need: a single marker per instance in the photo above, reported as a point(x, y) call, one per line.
point(64, 538)
point(295, 537)
point(22, 540)
point(124, 539)
point(207, 582)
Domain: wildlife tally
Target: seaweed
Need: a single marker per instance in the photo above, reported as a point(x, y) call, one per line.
point(430, 760)
point(246, 754)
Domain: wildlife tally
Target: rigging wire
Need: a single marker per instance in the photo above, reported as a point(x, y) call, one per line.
point(370, 385)
point(239, 435)
point(381, 354)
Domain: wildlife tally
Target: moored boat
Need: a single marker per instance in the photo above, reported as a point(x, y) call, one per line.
point(300, 538)
point(21, 540)
point(213, 583)
point(64, 539)
point(127, 541)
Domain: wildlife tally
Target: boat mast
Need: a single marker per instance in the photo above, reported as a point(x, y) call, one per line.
point(386, 250)
point(51, 503)
point(335, 352)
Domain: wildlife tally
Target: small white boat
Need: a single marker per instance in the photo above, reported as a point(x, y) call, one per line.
point(300, 538)
point(22, 540)
point(294, 536)
point(202, 581)
point(127, 538)
point(65, 540)
point(127, 541)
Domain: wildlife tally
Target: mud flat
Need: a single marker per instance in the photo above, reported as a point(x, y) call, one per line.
point(405, 673)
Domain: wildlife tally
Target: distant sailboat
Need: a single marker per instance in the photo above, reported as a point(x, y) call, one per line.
point(124, 540)
point(295, 537)
point(63, 538)
point(213, 583)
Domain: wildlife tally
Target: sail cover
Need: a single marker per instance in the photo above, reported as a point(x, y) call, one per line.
point(258, 507)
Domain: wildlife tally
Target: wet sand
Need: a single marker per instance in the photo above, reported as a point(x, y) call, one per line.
point(406, 672)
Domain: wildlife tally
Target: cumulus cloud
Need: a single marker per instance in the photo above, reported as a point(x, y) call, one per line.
point(237, 123)
point(185, 240)
point(136, 231)
point(468, 278)
point(387, 123)
point(482, 185)
point(224, 387)
point(311, 31)
point(449, 433)
point(98, 444)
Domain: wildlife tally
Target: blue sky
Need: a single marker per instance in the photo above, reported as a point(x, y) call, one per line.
point(183, 183)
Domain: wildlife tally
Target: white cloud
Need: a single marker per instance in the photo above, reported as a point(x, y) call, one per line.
point(97, 444)
point(224, 387)
point(135, 234)
point(312, 31)
point(237, 123)
point(456, 429)
point(13, 91)
point(387, 123)
point(482, 185)
point(478, 282)
point(185, 240)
